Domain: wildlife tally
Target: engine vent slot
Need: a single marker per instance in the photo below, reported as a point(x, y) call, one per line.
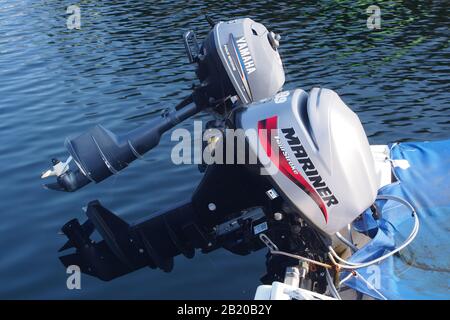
point(304, 117)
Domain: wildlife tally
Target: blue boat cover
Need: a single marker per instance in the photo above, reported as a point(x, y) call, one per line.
point(422, 270)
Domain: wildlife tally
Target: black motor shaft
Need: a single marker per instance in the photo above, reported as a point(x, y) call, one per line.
point(125, 248)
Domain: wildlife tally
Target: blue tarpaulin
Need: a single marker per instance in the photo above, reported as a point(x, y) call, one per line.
point(422, 270)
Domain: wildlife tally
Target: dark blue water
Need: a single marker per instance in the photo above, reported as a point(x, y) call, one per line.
point(128, 58)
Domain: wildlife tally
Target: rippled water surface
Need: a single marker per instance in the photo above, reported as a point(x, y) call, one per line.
point(127, 59)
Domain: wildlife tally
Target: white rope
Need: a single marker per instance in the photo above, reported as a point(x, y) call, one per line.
point(333, 289)
point(345, 264)
point(357, 275)
point(355, 265)
point(346, 242)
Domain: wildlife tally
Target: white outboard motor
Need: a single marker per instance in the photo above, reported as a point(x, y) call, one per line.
point(318, 146)
point(237, 63)
point(241, 56)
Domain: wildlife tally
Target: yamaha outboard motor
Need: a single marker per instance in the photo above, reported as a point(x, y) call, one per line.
point(240, 57)
point(237, 63)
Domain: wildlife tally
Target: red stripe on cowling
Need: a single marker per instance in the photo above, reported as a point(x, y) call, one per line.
point(265, 128)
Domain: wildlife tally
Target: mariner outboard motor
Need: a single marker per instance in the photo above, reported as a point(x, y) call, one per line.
point(325, 168)
point(238, 62)
point(324, 177)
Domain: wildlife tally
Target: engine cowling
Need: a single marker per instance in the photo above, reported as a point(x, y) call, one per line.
point(315, 150)
point(240, 57)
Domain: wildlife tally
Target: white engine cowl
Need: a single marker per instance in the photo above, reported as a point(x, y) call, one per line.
point(320, 153)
